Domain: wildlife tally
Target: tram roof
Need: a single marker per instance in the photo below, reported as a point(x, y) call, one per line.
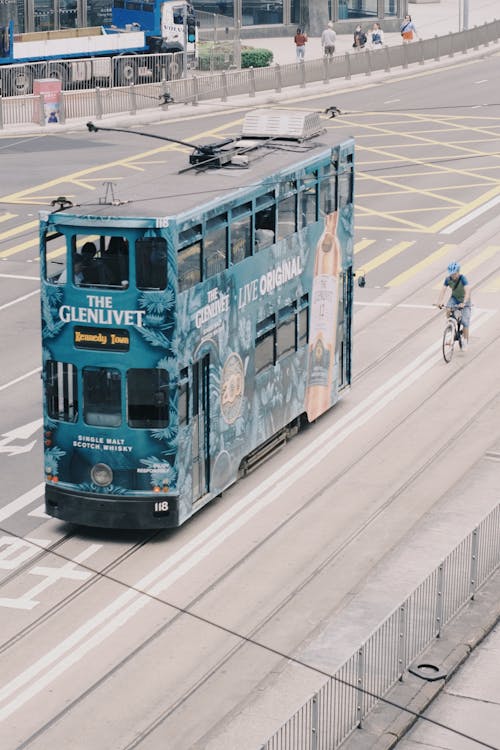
point(158, 187)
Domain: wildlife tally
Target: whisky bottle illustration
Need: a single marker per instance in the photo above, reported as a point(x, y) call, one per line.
point(323, 322)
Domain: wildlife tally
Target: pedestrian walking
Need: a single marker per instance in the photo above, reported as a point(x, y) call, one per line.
point(359, 37)
point(408, 30)
point(328, 39)
point(376, 36)
point(300, 40)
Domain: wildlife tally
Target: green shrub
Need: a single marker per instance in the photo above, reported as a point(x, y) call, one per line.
point(252, 57)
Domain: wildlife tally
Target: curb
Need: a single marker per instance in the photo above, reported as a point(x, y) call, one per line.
point(388, 723)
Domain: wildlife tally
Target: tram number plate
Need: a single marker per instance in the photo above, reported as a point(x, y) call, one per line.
point(161, 507)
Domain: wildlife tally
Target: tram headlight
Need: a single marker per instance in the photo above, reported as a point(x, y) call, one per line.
point(102, 475)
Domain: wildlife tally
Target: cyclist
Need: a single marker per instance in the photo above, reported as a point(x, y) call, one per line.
point(460, 297)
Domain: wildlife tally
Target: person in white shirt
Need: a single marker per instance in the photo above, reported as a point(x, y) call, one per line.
point(376, 36)
point(328, 39)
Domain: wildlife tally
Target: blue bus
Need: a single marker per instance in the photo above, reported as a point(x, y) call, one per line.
point(194, 324)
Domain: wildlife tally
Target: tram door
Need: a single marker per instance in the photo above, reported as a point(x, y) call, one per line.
point(344, 329)
point(201, 427)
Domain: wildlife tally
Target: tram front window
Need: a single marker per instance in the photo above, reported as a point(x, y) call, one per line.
point(102, 403)
point(147, 398)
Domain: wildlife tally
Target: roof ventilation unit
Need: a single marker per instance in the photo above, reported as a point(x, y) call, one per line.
point(281, 123)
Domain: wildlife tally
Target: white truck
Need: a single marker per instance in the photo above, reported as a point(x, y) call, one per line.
point(142, 43)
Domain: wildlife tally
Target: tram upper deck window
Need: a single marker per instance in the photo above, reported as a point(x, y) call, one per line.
point(328, 195)
point(265, 221)
point(55, 255)
point(309, 199)
point(151, 263)
point(147, 398)
point(101, 261)
point(215, 246)
point(102, 401)
point(189, 257)
point(287, 216)
point(345, 186)
point(61, 391)
point(241, 232)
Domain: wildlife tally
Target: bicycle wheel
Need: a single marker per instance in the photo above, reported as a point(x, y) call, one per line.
point(448, 341)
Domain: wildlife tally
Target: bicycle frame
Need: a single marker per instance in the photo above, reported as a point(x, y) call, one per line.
point(452, 332)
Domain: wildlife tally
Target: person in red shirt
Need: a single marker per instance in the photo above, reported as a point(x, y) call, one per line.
point(300, 40)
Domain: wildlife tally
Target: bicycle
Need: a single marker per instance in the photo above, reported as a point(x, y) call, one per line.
point(453, 332)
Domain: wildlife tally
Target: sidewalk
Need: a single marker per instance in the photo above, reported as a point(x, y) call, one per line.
point(469, 703)
point(430, 18)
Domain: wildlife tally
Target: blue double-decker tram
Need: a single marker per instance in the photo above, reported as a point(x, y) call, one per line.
point(194, 321)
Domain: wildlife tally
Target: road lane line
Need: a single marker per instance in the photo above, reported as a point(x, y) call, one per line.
point(19, 299)
point(402, 277)
point(34, 678)
point(21, 377)
point(22, 501)
point(387, 255)
point(18, 276)
point(471, 216)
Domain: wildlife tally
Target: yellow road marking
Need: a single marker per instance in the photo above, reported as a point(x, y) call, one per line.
point(402, 277)
point(493, 285)
point(17, 230)
point(7, 217)
point(362, 244)
point(386, 255)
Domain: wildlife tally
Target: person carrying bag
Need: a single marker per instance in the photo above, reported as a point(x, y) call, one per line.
point(408, 29)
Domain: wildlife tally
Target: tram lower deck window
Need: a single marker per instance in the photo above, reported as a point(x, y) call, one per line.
point(147, 398)
point(61, 391)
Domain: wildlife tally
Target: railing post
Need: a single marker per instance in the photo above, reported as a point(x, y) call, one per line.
point(486, 40)
point(402, 641)
point(98, 103)
point(421, 50)
point(473, 563)
point(62, 108)
point(1, 112)
point(279, 81)
point(464, 45)
point(387, 59)
point(302, 68)
point(224, 86)
point(314, 723)
point(451, 44)
point(41, 114)
point(405, 55)
point(361, 679)
point(348, 66)
point(251, 73)
point(476, 38)
point(436, 56)
point(368, 60)
point(196, 91)
point(133, 99)
point(325, 69)
point(439, 600)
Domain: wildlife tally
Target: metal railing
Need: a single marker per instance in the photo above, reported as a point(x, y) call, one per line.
point(141, 92)
point(328, 718)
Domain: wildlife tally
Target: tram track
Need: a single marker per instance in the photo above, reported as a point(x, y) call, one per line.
point(341, 549)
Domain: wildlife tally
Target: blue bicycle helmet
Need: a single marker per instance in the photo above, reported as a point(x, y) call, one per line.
point(454, 267)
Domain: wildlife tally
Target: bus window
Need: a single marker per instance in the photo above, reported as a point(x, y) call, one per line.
point(189, 266)
point(285, 334)
point(287, 216)
point(328, 195)
point(147, 398)
point(102, 402)
point(151, 263)
point(241, 234)
point(215, 246)
point(309, 201)
point(61, 391)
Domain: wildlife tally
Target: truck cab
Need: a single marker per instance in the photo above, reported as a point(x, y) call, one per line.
point(166, 23)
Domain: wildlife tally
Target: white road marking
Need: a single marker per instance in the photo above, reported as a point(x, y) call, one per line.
point(21, 377)
point(94, 631)
point(17, 276)
point(21, 502)
point(473, 215)
point(19, 299)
